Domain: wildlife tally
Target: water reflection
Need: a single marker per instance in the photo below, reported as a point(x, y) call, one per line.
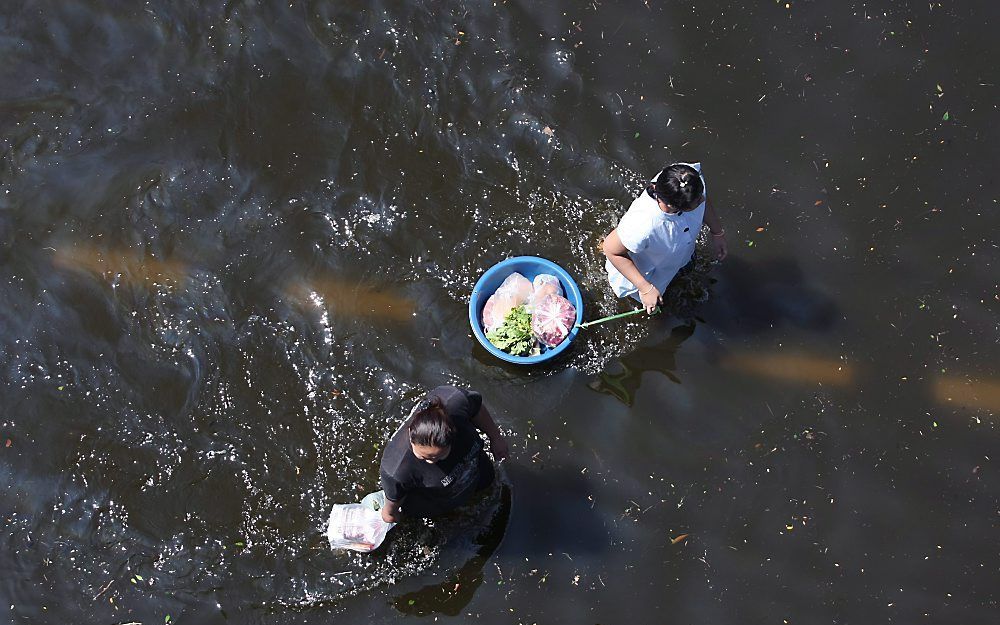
point(661, 357)
point(353, 299)
point(123, 264)
point(128, 267)
point(791, 367)
point(968, 392)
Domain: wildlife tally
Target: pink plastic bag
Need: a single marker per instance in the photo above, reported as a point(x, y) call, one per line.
point(552, 319)
point(544, 284)
point(513, 291)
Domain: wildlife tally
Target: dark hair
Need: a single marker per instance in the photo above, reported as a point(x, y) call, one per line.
point(679, 186)
point(430, 425)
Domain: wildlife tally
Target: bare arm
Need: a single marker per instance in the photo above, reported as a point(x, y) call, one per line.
point(718, 232)
point(617, 253)
point(390, 512)
point(498, 443)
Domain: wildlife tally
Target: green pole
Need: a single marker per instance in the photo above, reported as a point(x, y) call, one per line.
point(613, 317)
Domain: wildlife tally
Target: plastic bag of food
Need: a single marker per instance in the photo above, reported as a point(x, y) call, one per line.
point(358, 526)
point(544, 284)
point(513, 291)
point(552, 319)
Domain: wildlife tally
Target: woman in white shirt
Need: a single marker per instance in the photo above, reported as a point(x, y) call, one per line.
point(656, 236)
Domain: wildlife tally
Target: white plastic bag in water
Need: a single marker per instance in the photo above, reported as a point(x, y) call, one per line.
point(358, 526)
point(544, 284)
point(513, 291)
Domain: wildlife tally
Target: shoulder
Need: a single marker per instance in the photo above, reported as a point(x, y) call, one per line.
point(638, 222)
point(460, 403)
point(640, 212)
point(394, 457)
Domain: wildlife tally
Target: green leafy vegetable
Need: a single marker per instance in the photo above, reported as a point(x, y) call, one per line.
point(514, 334)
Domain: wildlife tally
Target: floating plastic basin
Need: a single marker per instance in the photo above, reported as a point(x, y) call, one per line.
point(529, 267)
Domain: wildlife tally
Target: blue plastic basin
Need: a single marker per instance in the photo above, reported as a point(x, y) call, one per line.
point(529, 267)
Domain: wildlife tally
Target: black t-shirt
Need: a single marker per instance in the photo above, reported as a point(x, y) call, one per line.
point(424, 489)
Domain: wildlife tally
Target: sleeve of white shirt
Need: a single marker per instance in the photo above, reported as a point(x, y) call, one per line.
point(634, 230)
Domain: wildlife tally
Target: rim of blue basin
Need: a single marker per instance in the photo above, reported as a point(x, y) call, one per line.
point(529, 267)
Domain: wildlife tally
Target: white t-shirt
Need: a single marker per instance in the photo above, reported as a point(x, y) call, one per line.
point(658, 243)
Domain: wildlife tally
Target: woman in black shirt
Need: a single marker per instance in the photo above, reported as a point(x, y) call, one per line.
point(436, 461)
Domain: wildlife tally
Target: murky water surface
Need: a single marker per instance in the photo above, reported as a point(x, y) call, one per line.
point(237, 240)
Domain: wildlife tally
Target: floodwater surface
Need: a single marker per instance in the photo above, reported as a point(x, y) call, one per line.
point(238, 239)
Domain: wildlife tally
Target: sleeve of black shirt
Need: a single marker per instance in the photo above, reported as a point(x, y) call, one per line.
point(394, 490)
point(459, 403)
point(474, 401)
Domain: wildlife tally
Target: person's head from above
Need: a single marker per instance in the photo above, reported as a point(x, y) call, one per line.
point(431, 431)
point(678, 189)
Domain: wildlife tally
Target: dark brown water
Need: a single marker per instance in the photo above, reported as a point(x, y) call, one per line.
point(237, 240)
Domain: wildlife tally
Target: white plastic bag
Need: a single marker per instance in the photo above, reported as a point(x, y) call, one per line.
point(358, 526)
point(513, 291)
point(544, 284)
point(552, 319)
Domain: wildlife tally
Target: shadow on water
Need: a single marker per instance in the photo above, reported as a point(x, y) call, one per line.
point(457, 590)
point(751, 297)
point(661, 357)
point(546, 503)
point(527, 518)
point(621, 377)
point(748, 297)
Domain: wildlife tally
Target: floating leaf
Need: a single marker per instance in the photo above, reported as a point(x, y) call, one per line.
point(139, 577)
point(166, 619)
point(61, 387)
point(681, 538)
point(940, 89)
point(636, 136)
point(411, 602)
point(241, 544)
point(946, 116)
